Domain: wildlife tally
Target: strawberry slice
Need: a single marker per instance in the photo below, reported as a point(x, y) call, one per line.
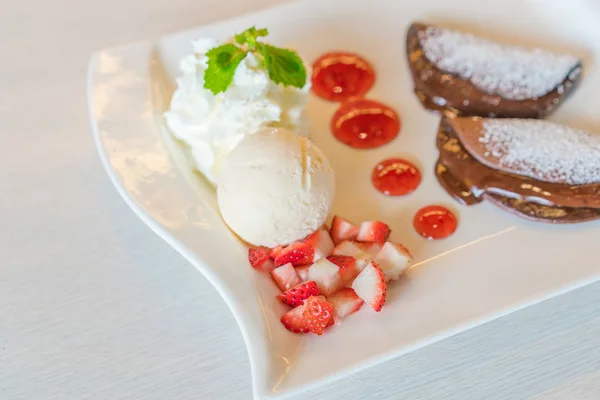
point(295, 296)
point(342, 229)
point(321, 243)
point(276, 251)
point(294, 321)
point(370, 286)
point(285, 277)
point(259, 259)
point(373, 231)
point(393, 259)
point(372, 248)
point(297, 253)
point(345, 302)
point(346, 267)
point(353, 250)
point(302, 272)
point(326, 275)
point(318, 314)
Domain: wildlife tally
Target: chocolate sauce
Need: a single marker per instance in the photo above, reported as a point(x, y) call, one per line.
point(441, 91)
point(469, 182)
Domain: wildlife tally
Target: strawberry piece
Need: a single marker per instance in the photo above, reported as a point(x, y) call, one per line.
point(373, 231)
point(345, 302)
point(318, 314)
point(297, 253)
point(351, 249)
point(393, 259)
point(276, 251)
point(370, 286)
point(285, 277)
point(294, 321)
point(321, 243)
point(259, 259)
point(372, 248)
point(326, 275)
point(342, 229)
point(295, 296)
point(302, 272)
point(346, 267)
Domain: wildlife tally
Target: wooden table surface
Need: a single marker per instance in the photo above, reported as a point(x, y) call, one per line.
point(95, 306)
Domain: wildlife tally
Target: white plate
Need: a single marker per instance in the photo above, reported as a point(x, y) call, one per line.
point(493, 265)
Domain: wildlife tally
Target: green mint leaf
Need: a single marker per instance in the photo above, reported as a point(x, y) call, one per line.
point(250, 36)
point(284, 66)
point(222, 63)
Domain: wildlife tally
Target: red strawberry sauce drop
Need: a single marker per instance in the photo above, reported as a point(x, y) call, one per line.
point(395, 177)
point(365, 124)
point(338, 76)
point(435, 222)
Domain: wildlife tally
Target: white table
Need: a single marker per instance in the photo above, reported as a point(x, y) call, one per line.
point(94, 306)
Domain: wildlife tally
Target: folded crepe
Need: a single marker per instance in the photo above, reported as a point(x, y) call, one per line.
point(472, 76)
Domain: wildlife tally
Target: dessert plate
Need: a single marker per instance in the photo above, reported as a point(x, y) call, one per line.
point(493, 265)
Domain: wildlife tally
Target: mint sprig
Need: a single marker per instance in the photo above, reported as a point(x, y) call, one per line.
point(284, 66)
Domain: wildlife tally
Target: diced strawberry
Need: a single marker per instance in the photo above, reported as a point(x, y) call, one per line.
point(321, 243)
point(297, 253)
point(318, 314)
point(276, 251)
point(393, 259)
point(342, 229)
point(370, 247)
point(285, 277)
point(351, 249)
point(295, 296)
point(347, 267)
point(259, 259)
point(294, 321)
point(345, 302)
point(302, 272)
point(373, 231)
point(326, 275)
point(371, 287)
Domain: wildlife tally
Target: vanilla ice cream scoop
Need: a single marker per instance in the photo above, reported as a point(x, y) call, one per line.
point(275, 187)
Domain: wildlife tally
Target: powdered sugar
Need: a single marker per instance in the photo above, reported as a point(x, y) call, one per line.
point(512, 72)
point(543, 150)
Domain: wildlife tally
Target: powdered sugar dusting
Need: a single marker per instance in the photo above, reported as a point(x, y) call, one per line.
point(544, 150)
point(512, 72)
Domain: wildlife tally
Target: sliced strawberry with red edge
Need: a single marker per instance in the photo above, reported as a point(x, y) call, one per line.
point(321, 243)
point(370, 286)
point(372, 248)
point(342, 229)
point(285, 277)
point(294, 321)
point(345, 302)
point(295, 296)
point(318, 314)
point(373, 231)
point(259, 259)
point(393, 259)
point(347, 267)
point(276, 251)
point(297, 253)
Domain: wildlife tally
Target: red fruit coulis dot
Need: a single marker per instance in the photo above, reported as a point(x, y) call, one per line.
point(338, 76)
point(435, 222)
point(395, 177)
point(365, 124)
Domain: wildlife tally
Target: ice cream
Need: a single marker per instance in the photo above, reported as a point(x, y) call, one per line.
point(275, 188)
point(212, 125)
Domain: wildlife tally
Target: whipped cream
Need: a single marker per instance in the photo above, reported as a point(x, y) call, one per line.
point(212, 125)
